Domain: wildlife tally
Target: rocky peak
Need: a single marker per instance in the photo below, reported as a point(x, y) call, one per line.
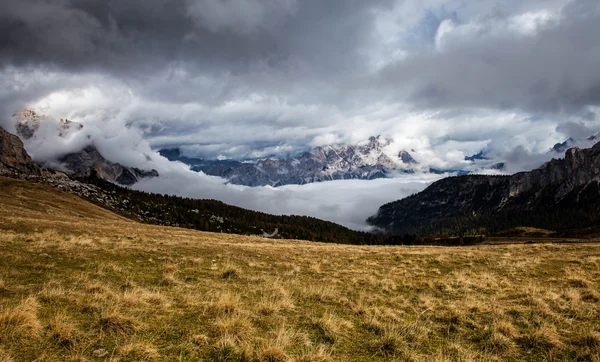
point(13, 157)
point(82, 164)
point(66, 126)
point(406, 158)
point(89, 161)
point(375, 144)
point(27, 122)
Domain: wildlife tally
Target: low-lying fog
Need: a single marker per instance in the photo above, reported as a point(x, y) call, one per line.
point(346, 202)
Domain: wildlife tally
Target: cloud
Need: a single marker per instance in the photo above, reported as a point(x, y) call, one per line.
point(325, 200)
point(241, 16)
point(533, 61)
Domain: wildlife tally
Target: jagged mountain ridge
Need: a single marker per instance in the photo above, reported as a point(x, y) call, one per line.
point(367, 161)
point(545, 197)
point(572, 142)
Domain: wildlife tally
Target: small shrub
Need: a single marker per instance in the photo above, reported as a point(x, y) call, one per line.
point(230, 273)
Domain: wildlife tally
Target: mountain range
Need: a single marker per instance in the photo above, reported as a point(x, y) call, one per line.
point(366, 161)
point(560, 195)
point(93, 183)
point(571, 142)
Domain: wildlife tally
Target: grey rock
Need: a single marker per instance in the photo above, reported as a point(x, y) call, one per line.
point(13, 157)
point(99, 353)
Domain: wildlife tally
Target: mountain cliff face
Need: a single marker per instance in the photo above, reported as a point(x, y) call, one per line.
point(89, 161)
point(13, 157)
point(567, 187)
point(367, 161)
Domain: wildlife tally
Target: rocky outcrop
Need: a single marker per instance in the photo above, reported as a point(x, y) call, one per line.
point(406, 158)
point(364, 161)
point(89, 162)
point(27, 123)
point(557, 185)
point(13, 157)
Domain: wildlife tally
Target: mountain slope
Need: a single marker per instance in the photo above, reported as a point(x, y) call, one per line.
point(562, 194)
point(216, 216)
point(88, 179)
point(79, 283)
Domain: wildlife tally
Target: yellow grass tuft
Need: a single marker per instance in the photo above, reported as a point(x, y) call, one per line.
point(237, 327)
point(5, 356)
point(139, 351)
point(21, 321)
point(61, 331)
point(330, 327)
point(115, 322)
point(224, 303)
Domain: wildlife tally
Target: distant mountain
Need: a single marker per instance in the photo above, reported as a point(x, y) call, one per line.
point(562, 194)
point(563, 146)
point(27, 122)
point(571, 142)
point(364, 161)
point(478, 156)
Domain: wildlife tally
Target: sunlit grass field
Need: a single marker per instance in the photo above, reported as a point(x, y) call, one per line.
point(80, 283)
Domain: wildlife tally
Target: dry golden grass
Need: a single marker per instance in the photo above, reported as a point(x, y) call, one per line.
point(80, 283)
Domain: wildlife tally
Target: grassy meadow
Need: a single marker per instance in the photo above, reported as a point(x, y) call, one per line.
point(79, 283)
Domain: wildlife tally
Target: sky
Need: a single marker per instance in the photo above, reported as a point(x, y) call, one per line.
point(264, 78)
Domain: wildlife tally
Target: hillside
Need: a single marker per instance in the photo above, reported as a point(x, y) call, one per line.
point(216, 216)
point(562, 194)
point(78, 282)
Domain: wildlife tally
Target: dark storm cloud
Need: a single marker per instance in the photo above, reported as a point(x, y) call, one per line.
point(494, 62)
point(233, 37)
